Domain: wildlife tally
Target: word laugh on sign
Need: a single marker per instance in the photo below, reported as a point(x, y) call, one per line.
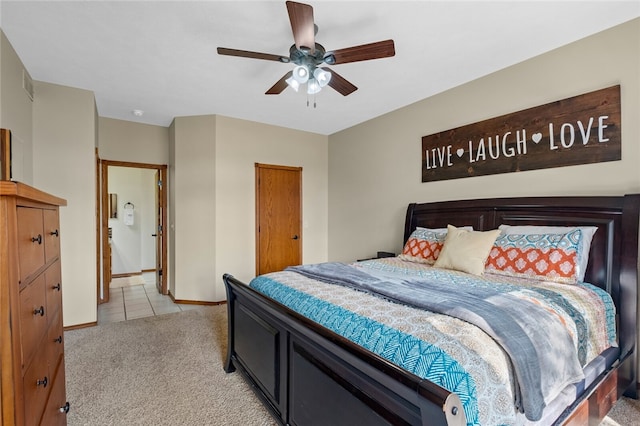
point(579, 130)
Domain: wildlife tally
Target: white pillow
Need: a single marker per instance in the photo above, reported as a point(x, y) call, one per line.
point(466, 251)
point(585, 241)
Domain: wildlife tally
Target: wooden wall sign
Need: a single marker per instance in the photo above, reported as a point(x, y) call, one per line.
point(580, 130)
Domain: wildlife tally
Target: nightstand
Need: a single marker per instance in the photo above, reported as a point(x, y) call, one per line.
point(379, 255)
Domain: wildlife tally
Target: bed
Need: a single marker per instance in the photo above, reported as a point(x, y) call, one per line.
point(307, 373)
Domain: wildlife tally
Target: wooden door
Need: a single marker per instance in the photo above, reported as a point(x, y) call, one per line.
point(161, 209)
point(278, 217)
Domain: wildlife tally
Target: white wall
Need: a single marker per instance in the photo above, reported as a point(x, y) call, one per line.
point(132, 246)
point(64, 165)
point(148, 216)
point(375, 167)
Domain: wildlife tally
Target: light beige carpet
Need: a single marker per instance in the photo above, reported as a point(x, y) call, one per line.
point(167, 370)
point(127, 281)
point(161, 370)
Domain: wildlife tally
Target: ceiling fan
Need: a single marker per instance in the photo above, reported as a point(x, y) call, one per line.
point(310, 57)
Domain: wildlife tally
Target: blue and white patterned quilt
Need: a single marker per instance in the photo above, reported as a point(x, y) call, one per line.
point(446, 350)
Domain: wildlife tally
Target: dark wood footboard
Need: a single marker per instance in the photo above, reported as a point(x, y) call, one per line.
point(308, 375)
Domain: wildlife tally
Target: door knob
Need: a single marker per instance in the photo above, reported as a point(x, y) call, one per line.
point(295, 237)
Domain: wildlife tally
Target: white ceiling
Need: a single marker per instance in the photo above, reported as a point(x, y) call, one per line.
point(160, 56)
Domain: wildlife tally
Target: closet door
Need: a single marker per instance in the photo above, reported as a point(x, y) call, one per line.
point(278, 217)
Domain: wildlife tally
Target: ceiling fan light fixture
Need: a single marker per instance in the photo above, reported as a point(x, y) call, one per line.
point(293, 83)
point(307, 55)
point(301, 74)
point(313, 86)
point(322, 77)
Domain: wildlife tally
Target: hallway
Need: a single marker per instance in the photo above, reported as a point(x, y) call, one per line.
point(138, 301)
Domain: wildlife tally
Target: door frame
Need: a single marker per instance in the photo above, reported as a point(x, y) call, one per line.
point(103, 255)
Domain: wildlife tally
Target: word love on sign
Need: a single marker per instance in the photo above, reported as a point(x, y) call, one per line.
point(580, 130)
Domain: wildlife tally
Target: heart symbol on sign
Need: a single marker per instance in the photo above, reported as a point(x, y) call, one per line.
point(537, 137)
point(460, 152)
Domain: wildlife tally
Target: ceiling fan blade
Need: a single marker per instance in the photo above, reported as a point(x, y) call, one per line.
point(280, 85)
point(339, 83)
point(365, 52)
point(301, 17)
point(253, 55)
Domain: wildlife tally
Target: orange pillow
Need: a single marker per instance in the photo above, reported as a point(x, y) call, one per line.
point(552, 257)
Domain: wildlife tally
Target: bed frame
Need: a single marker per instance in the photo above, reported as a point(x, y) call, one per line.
point(306, 374)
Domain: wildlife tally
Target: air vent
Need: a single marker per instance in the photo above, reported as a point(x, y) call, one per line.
point(27, 84)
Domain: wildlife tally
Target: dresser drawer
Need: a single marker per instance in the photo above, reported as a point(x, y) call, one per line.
point(55, 412)
point(53, 288)
point(30, 241)
point(33, 318)
point(37, 383)
point(51, 228)
point(55, 339)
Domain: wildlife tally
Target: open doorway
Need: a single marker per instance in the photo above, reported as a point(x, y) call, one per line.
point(133, 214)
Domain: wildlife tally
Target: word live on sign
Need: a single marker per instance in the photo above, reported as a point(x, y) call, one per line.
point(579, 130)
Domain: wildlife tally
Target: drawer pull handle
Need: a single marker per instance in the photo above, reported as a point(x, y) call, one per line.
point(56, 287)
point(37, 239)
point(58, 340)
point(54, 233)
point(42, 382)
point(39, 311)
point(65, 408)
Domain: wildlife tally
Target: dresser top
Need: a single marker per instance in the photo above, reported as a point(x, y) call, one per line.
point(21, 190)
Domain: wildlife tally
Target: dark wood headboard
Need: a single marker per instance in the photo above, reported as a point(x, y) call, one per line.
point(613, 259)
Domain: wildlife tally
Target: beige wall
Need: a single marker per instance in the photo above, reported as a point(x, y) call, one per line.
point(375, 167)
point(375, 170)
point(171, 209)
point(64, 165)
point(192, 209)
point(16, 110)
point(212, 198)
point(239, 145)
point(120, 140)
point(56, 134)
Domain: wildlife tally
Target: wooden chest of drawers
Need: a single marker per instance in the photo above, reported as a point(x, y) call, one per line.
point(32, 379)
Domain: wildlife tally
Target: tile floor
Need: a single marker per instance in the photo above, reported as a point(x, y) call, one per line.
point(138, 301)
